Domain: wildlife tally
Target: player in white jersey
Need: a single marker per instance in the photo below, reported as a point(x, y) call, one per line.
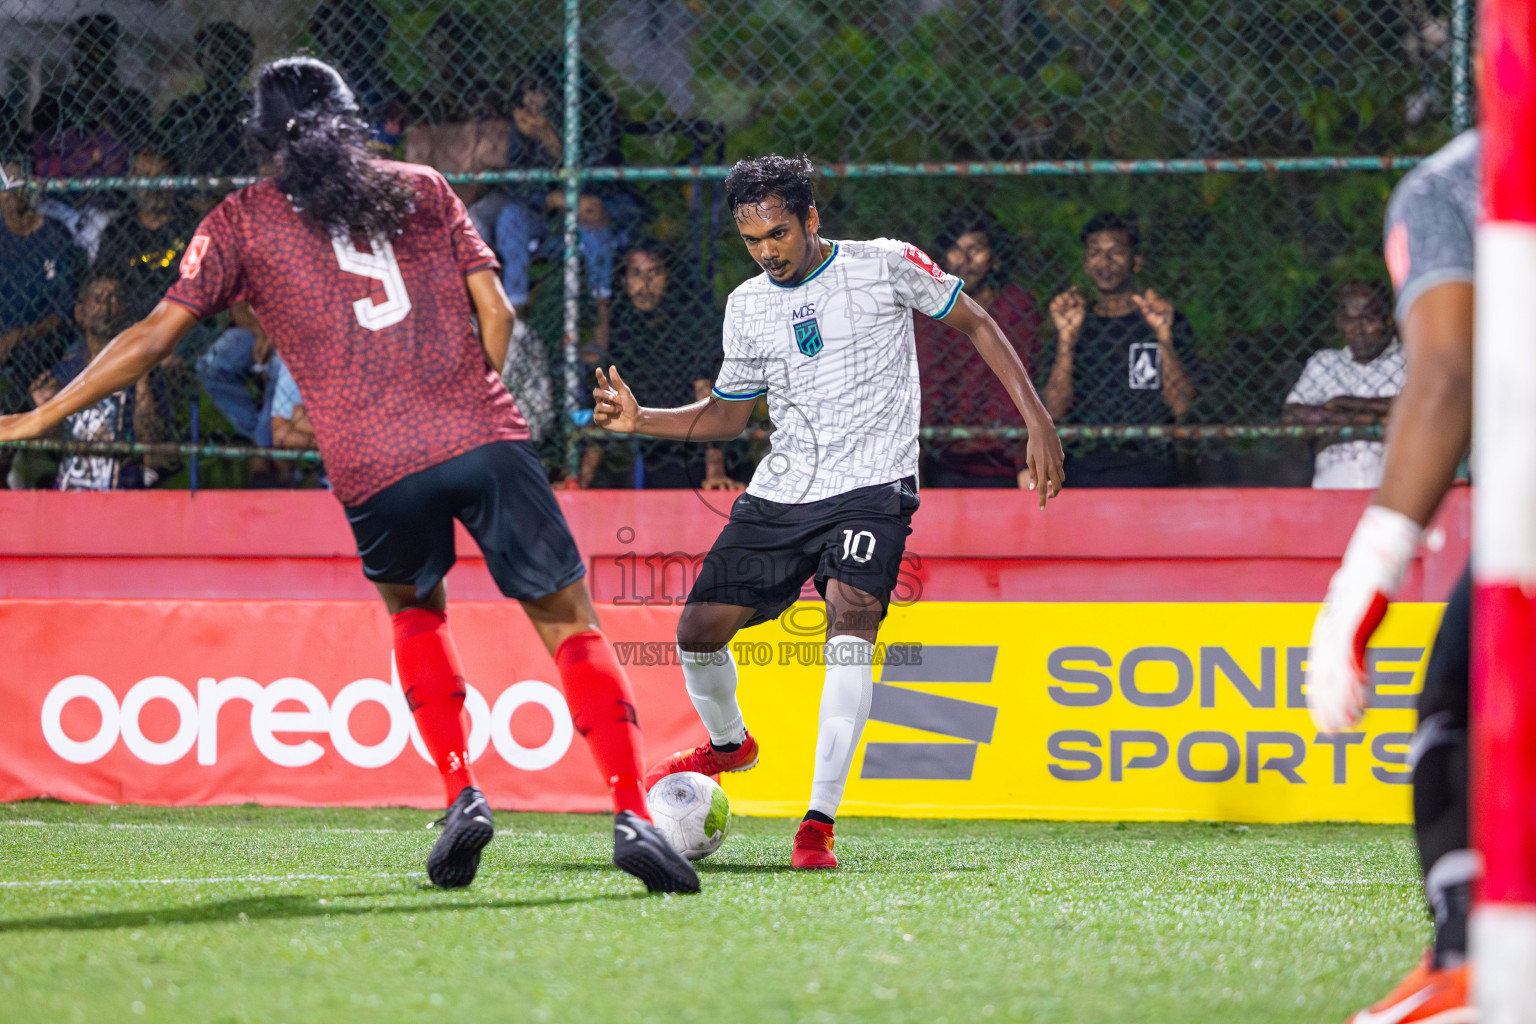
point(825, 332)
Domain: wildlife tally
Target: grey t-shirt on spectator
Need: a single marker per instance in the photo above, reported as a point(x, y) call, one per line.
point(1431, 222)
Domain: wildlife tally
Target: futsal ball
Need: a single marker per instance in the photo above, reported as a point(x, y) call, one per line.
point(692, 812)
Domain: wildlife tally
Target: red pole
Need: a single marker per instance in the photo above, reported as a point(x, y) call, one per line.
point(1504, 534)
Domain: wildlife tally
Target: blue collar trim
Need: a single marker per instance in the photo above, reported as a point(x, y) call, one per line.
point(808, 278)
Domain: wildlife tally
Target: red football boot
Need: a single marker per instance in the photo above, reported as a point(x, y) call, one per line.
point(813, 846)
point(1426, 996)
point(705, 760)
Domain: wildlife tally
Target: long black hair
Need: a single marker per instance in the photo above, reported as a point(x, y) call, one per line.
point(306, 116)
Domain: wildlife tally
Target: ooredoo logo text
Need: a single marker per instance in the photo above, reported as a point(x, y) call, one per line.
point(288, 736)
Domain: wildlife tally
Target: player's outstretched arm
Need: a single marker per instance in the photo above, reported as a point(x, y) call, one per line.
point(711, 419)
point(130, 356)
point(1430, 429)
point(1043, 456)
point(494, 311)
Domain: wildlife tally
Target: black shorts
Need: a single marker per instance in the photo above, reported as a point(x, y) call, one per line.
point(501, 495)
point(768, 550)
point(1446, 696)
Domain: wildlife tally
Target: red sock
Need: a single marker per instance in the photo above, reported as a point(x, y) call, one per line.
point(433, 680)
point(603, 710)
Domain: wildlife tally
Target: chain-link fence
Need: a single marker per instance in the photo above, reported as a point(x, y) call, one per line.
point(1230, 160)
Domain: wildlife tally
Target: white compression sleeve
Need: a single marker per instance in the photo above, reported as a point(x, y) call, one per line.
point(711, 682)
point(845, 698)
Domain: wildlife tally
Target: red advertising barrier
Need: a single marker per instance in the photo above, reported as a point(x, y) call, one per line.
point(224, 647)
point(292, 703)
point(1096, 545)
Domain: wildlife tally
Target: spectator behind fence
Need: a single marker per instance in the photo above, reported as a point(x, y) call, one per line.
point(238, 363)
point(457, 121)
point(534, 143)
point(351, 35)
point(525, 374)
point(959, 389)
point(290, 424)
point(15, 97)
point(666, 344)
point(91, 125)
point(1350, 386)
point(460, 88)
point(142, 248)
point(1126, 359)
point(516, 217)
point(206, 129)
point(140, 413)
point(39, 276)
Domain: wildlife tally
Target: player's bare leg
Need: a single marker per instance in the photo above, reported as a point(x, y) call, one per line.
point(433, 681)
point(603, 712)
point(704, 633)
point(853, 622)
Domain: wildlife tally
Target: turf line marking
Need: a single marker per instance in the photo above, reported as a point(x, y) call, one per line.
point(198, 828)
point(40, 883)
point(1304, 882)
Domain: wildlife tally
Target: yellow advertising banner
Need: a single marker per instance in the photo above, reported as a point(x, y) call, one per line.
point(1093, 712)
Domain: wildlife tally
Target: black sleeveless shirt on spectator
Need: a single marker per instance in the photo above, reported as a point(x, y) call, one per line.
point(1117, 379)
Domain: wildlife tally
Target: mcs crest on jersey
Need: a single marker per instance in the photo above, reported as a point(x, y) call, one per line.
point(807, 337)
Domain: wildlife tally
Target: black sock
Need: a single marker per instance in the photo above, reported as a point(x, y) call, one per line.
point(1440, 826)
point(724, 748)
point(1452, 905)
point(817, 816)
point(1439, 759)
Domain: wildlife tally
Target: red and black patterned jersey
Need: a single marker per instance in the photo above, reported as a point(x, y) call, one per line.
point(379, 336)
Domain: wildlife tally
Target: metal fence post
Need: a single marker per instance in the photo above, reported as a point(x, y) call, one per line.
point(192, 466)
point(1461, 65)
point(887, 150)
point(571, 176)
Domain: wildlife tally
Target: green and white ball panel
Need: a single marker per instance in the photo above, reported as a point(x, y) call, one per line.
point(692, 812)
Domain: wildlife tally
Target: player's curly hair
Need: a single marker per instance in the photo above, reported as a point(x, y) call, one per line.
point(306, 115)
point(787, 178)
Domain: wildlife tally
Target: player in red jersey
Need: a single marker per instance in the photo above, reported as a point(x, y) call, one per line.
point(370, 278)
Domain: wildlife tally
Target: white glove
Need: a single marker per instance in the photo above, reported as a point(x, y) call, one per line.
point(1378, 554)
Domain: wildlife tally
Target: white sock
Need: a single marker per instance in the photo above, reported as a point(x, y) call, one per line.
point(711, 681)
point(845, 701)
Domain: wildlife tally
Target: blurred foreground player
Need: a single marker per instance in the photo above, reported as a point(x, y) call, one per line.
point(826, 333)
point(1430, 225)
point(369, 278)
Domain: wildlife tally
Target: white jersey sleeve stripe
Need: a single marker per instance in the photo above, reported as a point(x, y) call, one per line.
point(954, 297)
point(732, 396)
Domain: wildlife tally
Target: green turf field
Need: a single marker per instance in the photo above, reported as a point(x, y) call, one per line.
point(250, 914)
